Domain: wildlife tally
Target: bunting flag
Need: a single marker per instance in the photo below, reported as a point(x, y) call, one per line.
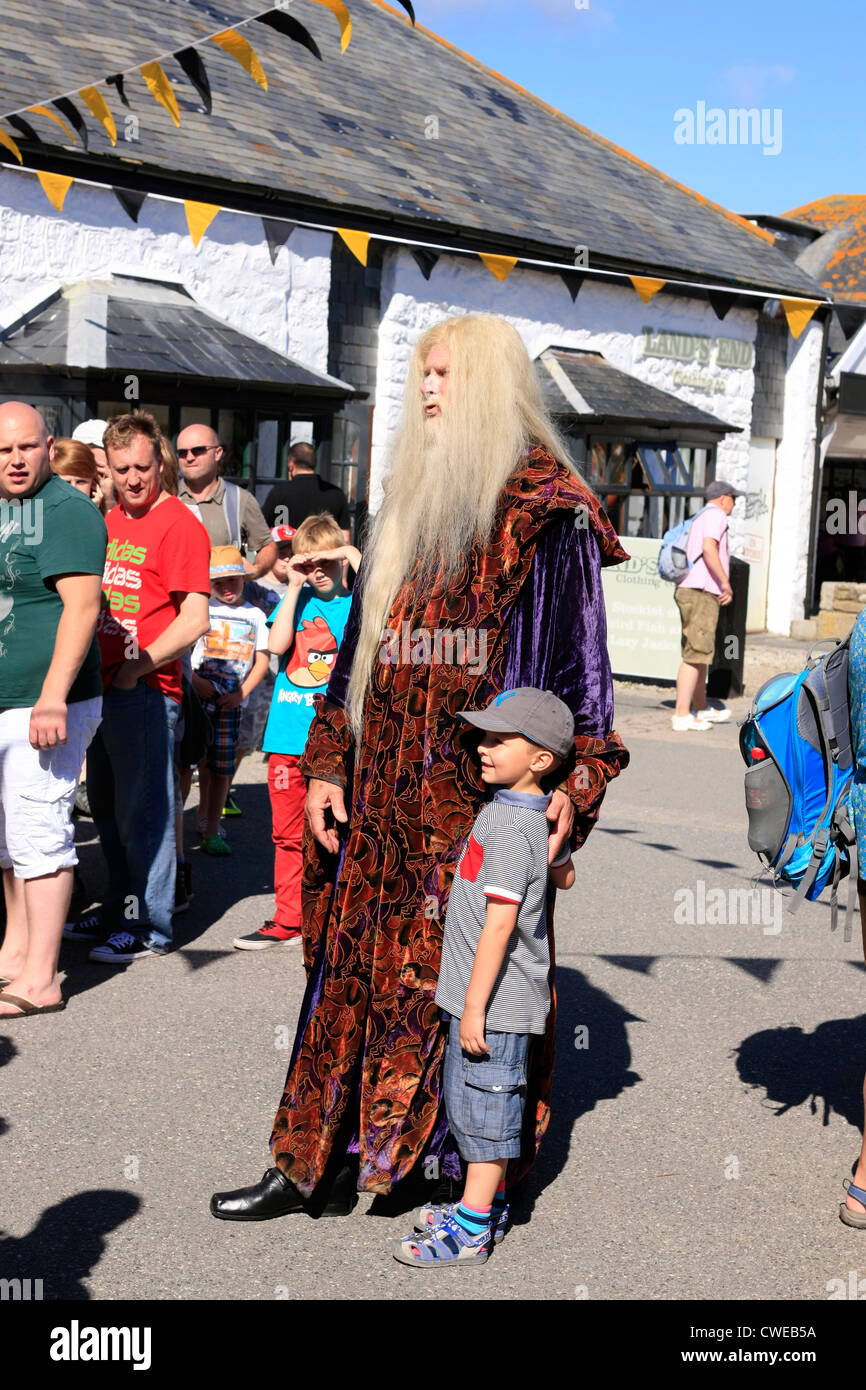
point(646, 287)
point(357, 242)
point(500, 266)
point(242, 50)
point(52, 116)
point(199, 217)
point(9, 144)
point(292, 28)
point(424, 259)
point(25, 128)
point(161, 89)
point(573, 281)
point(95, 103)
point(193, 66)
point(721, 302)
point(117, 82)
point(130, 201)
point(798, 313)
point(343, 18)
point(74, 117)
point(55, 186)
point(277, 234)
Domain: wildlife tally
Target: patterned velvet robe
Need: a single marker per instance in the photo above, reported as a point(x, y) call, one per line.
point(365, 1074)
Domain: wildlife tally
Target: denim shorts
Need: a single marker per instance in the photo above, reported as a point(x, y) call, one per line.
point(485, 1096)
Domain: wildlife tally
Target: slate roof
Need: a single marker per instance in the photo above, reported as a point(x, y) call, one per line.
point(838, 258)
point(126, 324)
point(506, 173)
point(599, 392)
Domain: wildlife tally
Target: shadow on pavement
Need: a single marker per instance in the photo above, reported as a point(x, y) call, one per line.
point(825, 1067)
point(8, 1050)
point(590, 1066)
point(218, 885)
point(67, 1242)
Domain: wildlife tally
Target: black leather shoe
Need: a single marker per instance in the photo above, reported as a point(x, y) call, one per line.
point(273, 1196)
point(338, 1198)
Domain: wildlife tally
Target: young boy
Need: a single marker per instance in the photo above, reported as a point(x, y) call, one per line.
point(306, 631)
point(228, 663)
point(493, 979)
point(265, 595)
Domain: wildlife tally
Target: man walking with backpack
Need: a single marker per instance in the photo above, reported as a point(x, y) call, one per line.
point(699, 595)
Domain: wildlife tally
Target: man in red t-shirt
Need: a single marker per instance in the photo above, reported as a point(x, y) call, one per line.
point(155, 593)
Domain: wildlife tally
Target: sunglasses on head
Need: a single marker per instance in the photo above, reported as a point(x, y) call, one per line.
point(196, 451)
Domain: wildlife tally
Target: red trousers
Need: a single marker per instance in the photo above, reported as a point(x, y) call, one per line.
point(288, 792)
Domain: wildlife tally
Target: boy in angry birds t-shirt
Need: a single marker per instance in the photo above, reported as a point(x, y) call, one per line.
point(305, 633)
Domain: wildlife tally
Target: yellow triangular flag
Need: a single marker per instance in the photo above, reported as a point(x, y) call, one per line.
point(235, 44)
point(798, 313)
point(8, 143)
point(500, 266)
point(161, 89)
point(645, 287)
point(55, 186)
point(345, 20)
point(199, 217)
point(357, 242)
point(99, 109)
point(52, 116)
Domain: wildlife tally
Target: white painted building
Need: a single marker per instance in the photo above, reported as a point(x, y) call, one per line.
point(462, 164)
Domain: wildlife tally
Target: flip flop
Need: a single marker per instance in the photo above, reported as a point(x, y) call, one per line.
point(27, 1007)
point(851, 1218)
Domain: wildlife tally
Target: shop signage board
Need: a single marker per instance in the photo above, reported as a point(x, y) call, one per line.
point(643, 621)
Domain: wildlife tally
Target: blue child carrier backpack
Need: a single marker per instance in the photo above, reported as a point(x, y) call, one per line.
point(796, 743)
point(673, 561)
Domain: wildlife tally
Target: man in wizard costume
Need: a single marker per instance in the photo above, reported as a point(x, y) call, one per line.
point(482, 574)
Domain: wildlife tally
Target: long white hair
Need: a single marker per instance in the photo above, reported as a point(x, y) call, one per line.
point(445, 475)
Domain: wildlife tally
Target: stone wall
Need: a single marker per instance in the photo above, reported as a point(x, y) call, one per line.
point(839, 608)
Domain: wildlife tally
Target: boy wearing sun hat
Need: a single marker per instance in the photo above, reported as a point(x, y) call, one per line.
point(228, 663)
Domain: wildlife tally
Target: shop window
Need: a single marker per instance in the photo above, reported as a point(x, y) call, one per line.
point(647, 488)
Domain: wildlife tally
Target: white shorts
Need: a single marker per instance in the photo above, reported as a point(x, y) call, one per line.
point(37, 789)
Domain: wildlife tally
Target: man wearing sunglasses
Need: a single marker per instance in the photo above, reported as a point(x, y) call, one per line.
point(230, 514)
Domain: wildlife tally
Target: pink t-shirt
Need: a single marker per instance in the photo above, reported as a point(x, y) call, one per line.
point(712, 522)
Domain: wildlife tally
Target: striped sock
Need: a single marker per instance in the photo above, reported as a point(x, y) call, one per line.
point(499, 1201)
point(474, 1220)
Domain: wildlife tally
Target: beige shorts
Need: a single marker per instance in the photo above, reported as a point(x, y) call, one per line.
point(699, 612)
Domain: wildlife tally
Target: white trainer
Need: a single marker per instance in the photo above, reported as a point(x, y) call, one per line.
point(714, 716)
point(684, 723)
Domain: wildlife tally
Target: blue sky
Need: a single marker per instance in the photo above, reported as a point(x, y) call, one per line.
point(625, 67)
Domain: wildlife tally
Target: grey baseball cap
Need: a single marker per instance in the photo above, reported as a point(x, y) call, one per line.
point(720, 489)
point(537, 714)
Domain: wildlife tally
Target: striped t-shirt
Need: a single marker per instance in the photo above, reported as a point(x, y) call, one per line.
point(504, 857)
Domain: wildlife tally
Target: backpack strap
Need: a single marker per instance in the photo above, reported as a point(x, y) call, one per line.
point(822, 839)
point(232, 512)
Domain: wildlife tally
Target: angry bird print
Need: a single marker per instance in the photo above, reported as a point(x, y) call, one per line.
point(313, 654)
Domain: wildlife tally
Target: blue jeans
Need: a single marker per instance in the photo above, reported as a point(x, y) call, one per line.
point(130, 786)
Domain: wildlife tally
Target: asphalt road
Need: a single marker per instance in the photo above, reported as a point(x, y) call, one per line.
point(698, 1140)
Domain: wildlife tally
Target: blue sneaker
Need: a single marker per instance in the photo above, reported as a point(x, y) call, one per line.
point(446, 1244)
point(427, 1217)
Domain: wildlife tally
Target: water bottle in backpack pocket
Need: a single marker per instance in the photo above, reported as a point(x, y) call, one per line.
point(796, 743)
